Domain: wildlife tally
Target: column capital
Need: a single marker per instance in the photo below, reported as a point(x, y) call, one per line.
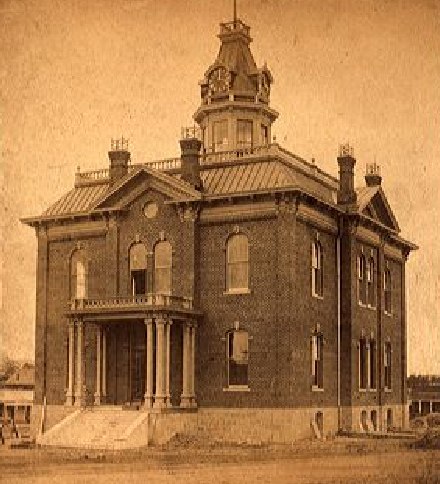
point(160, 320)
point(70, 323)
point(148, 321)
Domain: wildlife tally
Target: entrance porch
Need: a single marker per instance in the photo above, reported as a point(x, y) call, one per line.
point(129, 353)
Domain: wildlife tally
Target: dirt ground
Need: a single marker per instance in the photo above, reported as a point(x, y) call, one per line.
point(339, 460)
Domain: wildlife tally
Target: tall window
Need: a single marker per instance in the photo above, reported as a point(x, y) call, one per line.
point(372, 364)
point(238, 357)
point(220, 135)
point(371, 282)
point(387, 365)
point(363, 364)
point(138, 269)
point(264, 135)
point(78, 271)
point(237, 263)
point(317, 272)
point(387, 290)
point(244, 134)
point(162, 267)
point(362, 280)
point(317, 361)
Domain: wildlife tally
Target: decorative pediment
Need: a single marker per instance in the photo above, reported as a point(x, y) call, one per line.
point(141, 180)
point(374, 204)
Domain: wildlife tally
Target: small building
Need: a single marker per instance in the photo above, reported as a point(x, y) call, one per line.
point(16, 396)
point(423, 395)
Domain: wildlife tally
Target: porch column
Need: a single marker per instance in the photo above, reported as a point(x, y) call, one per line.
point(420, 407)
point(104, 365)
point(192, 372)
point(167, 361)
point(79, 394)
point(430, 406)
point(185, 399)
point(98, 364)
point(69, 395)
point(148, 397)
point(159, 399)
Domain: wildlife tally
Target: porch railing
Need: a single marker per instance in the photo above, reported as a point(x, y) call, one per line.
point(132, 302)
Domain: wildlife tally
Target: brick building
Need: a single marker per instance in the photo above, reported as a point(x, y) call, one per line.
point(239, 288)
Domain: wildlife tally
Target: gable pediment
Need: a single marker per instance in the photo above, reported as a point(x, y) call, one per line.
point(374, 204)
point(142, 180)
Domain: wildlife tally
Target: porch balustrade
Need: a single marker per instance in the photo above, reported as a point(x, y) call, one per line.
point(149, 300)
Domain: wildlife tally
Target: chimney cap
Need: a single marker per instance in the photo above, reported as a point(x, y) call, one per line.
point(119, 144)
point(372, 174)
point(346, 150)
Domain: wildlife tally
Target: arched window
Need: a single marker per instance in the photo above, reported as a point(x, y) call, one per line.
point(78, 272)
point(162, 267)
point(237, 354)
point(317, 272)
point(387, 290)
point(237, 263)
point(362, 280)
point(317, 361)
point(138, 269)
point(371, 281)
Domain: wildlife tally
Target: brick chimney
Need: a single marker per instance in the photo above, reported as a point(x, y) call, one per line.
point(346, 162)
point(119, 158)
point(190, 165)
point(372, 175)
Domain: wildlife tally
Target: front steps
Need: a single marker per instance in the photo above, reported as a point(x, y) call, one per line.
point(110, 428)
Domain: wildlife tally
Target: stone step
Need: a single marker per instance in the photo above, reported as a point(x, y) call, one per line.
point(101, 429)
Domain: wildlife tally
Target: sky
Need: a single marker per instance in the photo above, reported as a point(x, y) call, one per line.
point(74, 74)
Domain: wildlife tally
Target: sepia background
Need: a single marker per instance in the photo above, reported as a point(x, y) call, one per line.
point(75, 73)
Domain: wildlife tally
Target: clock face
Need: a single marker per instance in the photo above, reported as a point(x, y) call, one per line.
point(150, 209)
point(219, 80)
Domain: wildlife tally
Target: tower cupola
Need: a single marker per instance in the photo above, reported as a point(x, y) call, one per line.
point(235, 94)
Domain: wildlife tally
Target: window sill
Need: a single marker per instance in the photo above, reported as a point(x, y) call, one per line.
point(317, 296)
point(237, 388)
point(388, 390)
point(236, 292)
point(317, 389)
point(362, 390)
point(388, 314)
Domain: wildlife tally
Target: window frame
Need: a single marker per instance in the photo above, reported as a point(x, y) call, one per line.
point(363, 363)
point(245, 144)
point(79, 259)
point(388, 366)
point(137, 268)
point(387, 289)
point(217, 145)
point(229, 358)
point(362, 280)
point(317, 358)
point(371, 283)
point(166, 267)
point(229, 265)
point(317, 270)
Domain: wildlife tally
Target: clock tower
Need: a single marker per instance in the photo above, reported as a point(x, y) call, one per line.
point(234, 113)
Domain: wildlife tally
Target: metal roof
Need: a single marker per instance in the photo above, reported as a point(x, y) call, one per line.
point(79, 199)
point(246, 177)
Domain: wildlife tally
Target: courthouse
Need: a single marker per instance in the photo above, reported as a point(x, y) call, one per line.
point(237, 291)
